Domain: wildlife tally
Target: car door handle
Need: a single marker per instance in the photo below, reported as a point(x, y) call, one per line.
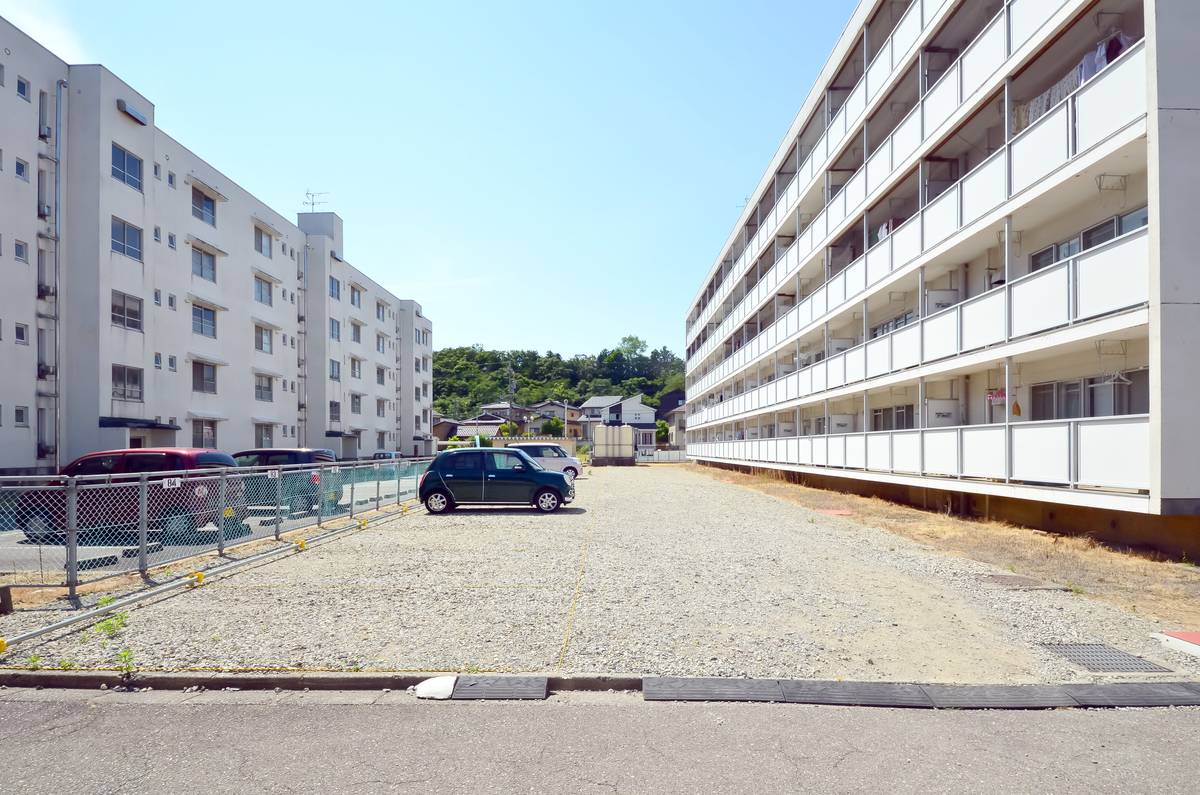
point(491, 476)
point(449, 476)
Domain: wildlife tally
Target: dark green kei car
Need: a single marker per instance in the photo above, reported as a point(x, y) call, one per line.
point(492, 476)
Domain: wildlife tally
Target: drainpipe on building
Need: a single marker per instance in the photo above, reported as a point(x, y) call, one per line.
point(58, 364)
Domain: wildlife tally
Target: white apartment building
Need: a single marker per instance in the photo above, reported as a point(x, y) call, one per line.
point(150, 301)
point(414, 368)
point(969, 268)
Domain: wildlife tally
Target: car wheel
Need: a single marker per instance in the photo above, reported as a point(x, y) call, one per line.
point(39, 529)
point(571, 474)
point(179, 529)
point(547, 501)
point(438, 502)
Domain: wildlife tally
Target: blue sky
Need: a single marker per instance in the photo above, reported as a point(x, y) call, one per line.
point(576, 163)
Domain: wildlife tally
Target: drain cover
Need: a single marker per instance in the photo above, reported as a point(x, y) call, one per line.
point(500, 687)
point(1104, 659)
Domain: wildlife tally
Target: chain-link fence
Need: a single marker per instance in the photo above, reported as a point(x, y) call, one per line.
point(63, 531)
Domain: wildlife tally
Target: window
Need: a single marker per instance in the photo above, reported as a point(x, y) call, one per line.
point(127, 167)
point(1101, 233)
point(424, 416)
point(263, 291)
point(335, 411)
point(262, 242)
point(171, 363)
point(204, 378)
point(171, 179)
point(204, 321)
point(1134, 220)
point(380, 407)
point(335, 329)
point(157, 360)
point(204, 433)
point(204, 207)
point(335, 289)
point(21, 169)
point(158, 234)
point(126, 383)
point(355, 332)
point(335, 370)
point(380, 440)
point(379, 375)
point(425, 390)
point(379, 309)
point(204, 265)
point(21, 251)
point(262, 339)
point(126, 311)
point(356, 404)
point(417, 421)
point(23, 89)
point(416, 393)
point(171, 240)
point(21, 334)
point(157, 171)
point(171, 302)
point(126, 239)
point(355, 296)
point(21, 416)
point(506, 461)
point(425, 363)
point(263, 434)
point(355, 368)
point(380, 342)
point(417, 364)
point(264, 388)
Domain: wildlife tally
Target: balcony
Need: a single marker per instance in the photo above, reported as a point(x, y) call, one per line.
point(1108, 278)
point(1087, 118)
point(1110, 453)
point(975, 70)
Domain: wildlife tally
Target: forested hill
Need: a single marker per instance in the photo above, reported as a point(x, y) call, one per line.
point(466, 378)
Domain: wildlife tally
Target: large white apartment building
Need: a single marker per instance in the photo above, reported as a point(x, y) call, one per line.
point(970, 266)
point(148, 300)
point(414, 368)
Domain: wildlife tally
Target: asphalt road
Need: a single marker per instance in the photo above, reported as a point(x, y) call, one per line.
point(267, 742)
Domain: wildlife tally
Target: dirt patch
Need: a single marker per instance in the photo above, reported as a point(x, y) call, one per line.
point(1144, 583)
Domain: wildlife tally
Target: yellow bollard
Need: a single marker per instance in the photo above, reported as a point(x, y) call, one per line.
point(198, 576)
point(228, 513)
point(362, 524)
point(3, 645)
point(302, 544)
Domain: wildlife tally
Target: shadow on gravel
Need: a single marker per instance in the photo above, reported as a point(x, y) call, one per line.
point(465, 509)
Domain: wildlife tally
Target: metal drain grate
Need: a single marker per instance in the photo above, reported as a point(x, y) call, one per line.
point(1104, 659)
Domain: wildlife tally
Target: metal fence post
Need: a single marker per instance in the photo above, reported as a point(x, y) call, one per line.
point(223, 501)
point(72, 536)
point(320, 494)
point(353, 479)
point(378, 485)
point(399, 474)
point(278, 503)
point(143, 510)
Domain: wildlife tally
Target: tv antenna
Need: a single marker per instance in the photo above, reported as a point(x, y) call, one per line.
point(312, 199)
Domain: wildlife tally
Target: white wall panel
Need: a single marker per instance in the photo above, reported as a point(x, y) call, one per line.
point(879, 451)
point(983, 189)
point(1028, 16)
point(984, 57)
point(983, 451)
point(1114, 277)
point(941, 452)
point(856, 451)
point(940, 336)
point(1115, 453)
point(878, 357)
point(1041, 452)
point(1040, 149)
point(906, 347)
point(983, 321)
point(941, 217)
point(906, 243)
point(1039, 302)
point(906, 451)
point(941, 100)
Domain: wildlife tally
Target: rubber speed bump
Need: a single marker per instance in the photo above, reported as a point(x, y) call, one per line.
point(1134, 694)
point(671, 688)
point(999, 696)
point(855, 694)
point(502, 688)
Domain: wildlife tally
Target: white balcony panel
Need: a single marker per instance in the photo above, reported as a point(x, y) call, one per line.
point(820, 451)
point(879, 167)
point(837, 451)
point(1114, 277)
point(1039, 301)
point(804, 383)
point(879, 262)
point(835, 371)
point(906, 243)
point(906, 451)
point(1041, 452)
point(818, 377)
point(856, 279)
point(1112, 100)
point(818, 302)
point(906, 33)
point(878, 357)
point(941, 452)
point(1115, 452)
point(906, 347)
point(983, 451)
point(836, 292)
point(985, 55)
point(856, 190)
point(1040, 149)
point(983, 189)
point(879, 71)
point(879, 452)
point(1028, 16)
point(855, 364)
point(804, 454)
point(856, 452)
point(941, 100)
point(790, 455)
point(856, 103)
point(941, 217)
point(940, 336)
point(836, 210)
point(983, 321)
point(906, 137)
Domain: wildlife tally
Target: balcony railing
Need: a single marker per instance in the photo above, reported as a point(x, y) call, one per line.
point(1102, 107)
point(1108, 278)
point(1101, 453)
point(981, 60)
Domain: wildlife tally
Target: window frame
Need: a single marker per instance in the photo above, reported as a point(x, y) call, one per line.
point(259, 291)
point(123, 318)
point(199, 324)
point(122, 387)
point(123, 246)
point(122, 173)
point(206, 209)
point(204, 264)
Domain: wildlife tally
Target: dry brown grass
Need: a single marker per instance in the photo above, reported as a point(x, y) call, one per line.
point(1141, 582)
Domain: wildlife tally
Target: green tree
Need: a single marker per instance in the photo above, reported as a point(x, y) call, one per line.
point(509, 428)
point(662, 431)
point(552, 427)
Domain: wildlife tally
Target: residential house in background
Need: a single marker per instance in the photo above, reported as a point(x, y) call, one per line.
point(593, 412)
point(564, 411)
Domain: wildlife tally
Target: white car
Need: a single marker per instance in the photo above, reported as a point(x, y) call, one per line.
point(551, 456)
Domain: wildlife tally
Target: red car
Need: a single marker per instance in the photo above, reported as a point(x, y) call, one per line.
point(177, 505)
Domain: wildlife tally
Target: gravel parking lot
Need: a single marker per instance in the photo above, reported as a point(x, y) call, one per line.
point(653, 570)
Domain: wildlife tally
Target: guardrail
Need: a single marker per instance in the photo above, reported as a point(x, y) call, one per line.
point(63, 531)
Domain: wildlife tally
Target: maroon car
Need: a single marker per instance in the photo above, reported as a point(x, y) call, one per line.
point(182, 496)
